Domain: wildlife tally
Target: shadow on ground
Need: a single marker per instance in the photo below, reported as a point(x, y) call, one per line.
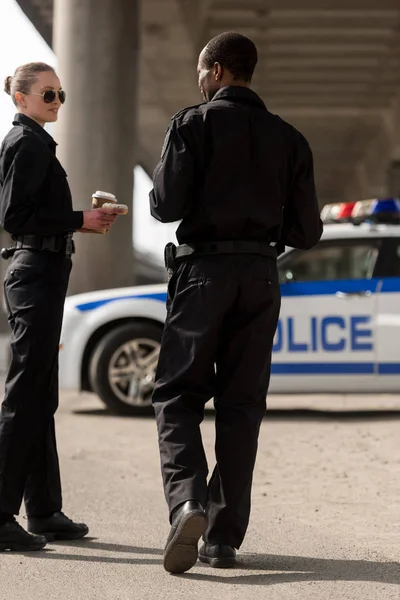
point(276, 414)
point(292, 569)
point(276, 569)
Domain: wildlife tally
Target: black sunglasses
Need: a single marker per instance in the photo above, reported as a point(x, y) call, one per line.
point(50, 95)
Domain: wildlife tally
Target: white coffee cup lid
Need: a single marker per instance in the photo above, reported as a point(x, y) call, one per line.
point(100, 194)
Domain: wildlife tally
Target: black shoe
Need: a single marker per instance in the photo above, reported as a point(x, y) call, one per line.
point(218, 555)
point(188, 525)
point(57, 527)
point(14, 537)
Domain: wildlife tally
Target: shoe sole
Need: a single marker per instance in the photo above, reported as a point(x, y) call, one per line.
point(52, 536)
point(22, 547)
point(182, 552)
point(218, 563)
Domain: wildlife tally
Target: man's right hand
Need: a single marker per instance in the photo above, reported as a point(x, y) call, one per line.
point(97, 219)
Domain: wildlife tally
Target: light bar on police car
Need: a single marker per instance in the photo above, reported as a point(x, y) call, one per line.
point(373, 210)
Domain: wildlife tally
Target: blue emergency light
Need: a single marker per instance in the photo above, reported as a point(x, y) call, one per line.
point(384, 210)
point(386, 205)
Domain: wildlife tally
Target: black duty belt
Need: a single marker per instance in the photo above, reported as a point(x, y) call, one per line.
point(63, 244)
point(226, 247)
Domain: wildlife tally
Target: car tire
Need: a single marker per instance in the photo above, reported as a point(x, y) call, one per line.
point(117, 368)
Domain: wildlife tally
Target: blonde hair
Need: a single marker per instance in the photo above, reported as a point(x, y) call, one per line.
point(24, 77)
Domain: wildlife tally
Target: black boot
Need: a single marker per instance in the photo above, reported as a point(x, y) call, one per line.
point(218, 555)
point(14, 537)
point(57, 527)
point(188, 525)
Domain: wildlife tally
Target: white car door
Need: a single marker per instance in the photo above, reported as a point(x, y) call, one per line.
point(326, 338)
point(388, 317)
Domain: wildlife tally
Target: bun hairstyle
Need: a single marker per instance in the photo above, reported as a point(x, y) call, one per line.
point(24, 77)
point(7, 85)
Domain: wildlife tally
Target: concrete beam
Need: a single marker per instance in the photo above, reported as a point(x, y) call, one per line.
point(40, 13)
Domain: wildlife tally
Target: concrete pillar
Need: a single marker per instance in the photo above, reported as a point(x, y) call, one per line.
point(97, 46)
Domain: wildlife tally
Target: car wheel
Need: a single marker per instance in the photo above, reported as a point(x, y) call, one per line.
point(123, 367)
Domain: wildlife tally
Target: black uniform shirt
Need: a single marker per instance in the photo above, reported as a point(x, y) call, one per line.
point(34, 193)
point(231, 170)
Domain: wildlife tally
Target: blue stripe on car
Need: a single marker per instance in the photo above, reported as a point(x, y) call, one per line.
point(336, 368)
point(160, 297)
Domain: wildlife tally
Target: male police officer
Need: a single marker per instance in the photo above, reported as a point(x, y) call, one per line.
point(241, 180)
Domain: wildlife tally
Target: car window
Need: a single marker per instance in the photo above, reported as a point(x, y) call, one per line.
point(331, 261)
point(391, 268)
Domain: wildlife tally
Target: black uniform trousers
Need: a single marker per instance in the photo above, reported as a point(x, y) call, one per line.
point(35, 287)
point(222, 313)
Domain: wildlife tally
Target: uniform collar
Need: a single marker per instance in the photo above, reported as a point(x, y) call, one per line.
point(233, 92)
point(21, 119)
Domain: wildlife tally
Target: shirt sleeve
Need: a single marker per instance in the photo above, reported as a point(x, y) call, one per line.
point(20, 209)
point(302, 226)
point(170, 198)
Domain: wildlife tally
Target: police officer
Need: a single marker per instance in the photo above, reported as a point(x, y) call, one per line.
point(36, 209)
point(241, 181)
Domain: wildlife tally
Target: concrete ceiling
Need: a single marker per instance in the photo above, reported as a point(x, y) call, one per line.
point(331, 68)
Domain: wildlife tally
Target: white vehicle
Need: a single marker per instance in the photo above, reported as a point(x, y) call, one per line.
point(337, 330)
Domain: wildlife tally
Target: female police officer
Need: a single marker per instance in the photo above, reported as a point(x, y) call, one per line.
point(36, 209)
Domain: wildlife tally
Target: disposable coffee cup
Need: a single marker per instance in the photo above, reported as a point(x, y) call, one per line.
point(98, 199)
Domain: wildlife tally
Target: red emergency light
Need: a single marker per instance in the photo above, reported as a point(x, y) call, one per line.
point(334, 213)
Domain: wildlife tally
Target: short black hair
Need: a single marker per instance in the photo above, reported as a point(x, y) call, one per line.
point(234, 51)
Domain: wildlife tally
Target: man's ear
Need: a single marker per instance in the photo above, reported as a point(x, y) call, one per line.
point(218, 71)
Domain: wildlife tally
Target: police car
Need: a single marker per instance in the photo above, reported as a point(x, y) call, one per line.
point(339, 327)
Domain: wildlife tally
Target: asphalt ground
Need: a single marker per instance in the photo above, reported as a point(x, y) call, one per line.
point(325, 517)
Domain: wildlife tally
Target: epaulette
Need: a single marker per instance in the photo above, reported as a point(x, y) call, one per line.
point(182, 112)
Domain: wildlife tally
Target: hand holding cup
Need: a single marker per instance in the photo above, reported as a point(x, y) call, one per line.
point(98, 219)
point(104, 211)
